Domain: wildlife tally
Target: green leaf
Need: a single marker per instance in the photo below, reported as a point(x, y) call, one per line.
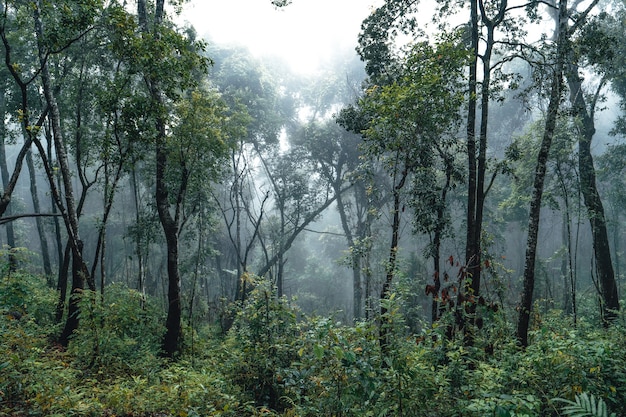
point(502, 412)
point(318, 351)
point(585, 406)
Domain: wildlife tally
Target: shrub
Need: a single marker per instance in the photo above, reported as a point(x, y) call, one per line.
point(262, 342)
point(119, 333)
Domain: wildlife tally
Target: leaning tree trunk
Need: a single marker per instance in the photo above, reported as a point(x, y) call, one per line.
point(591, 198)
point(540, 173)
point(4, 170)
point(43, 239)
point(80, 274)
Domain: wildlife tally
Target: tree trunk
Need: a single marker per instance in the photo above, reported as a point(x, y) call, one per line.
point(4, 170)
point(24, 109)
point(80, 273)
point(540, 171)
point(385, 292)
point(64, 265)
point(591, 197)
point(43, 239)
point(173, 334)
point(567, 265)
point(141, 285)
point(437, 236)
point(356, 252)
point(470, 245)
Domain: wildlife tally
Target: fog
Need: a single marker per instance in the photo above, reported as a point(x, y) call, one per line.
point(306, 34)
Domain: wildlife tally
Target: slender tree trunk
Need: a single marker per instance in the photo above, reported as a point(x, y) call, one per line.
point(565, 271)
point(385, 292)
point(26, 125)
point(355, 258)
point(80, 273)
point(63, 255)
point(437, 236)
point(591, 197)
point(70, 217)
point(540, 171)
point(568, 268)
point(4, 170)
point(281, 252)
point(141, 286)
point(45, 250)
point(64, 262)
point(358, 245)
point(470, 245)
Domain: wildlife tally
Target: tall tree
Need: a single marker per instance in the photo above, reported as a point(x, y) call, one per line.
point(187, 147)
point(562, 38)
point(46, 45)
point(409, 119)
point(583, 108)
point(4, 170)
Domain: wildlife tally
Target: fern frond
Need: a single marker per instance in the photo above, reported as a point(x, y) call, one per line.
point(585, 406)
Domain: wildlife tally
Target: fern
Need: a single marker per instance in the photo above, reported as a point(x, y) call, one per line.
point(586, 406)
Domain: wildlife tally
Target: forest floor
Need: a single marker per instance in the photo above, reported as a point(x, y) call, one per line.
point(275, 361)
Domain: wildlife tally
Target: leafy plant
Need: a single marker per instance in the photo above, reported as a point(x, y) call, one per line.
point(262, 344)
point(120, 332)
point(586, 405)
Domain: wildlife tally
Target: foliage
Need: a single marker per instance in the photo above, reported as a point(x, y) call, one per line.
point(120, 331)
point(26, 295)
point(263, 343)
point(274, 361)
point(586, 406)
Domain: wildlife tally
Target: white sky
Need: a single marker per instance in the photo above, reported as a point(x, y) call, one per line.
point(304, 34)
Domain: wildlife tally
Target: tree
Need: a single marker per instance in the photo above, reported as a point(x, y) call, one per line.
point(408, 120)
point(486, 23)
point(583, 108)
point(4, 169)
point(167, 61)
point(250, 89)
point(336, 154)
point(562, 37)
point(611, 174)
point(53, 32)
point(299, 198)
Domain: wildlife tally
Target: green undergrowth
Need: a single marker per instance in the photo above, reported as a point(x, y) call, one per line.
point(274, 361)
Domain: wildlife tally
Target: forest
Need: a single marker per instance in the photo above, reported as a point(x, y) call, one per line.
point(432, 225)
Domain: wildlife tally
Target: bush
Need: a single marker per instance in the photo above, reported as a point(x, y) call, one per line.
point(120, 333)
point(261, 344)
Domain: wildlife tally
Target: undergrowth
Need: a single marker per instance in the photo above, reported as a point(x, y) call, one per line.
point(276, 361)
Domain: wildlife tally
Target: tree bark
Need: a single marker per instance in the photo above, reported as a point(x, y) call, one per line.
point(470, 245)
point(591, 198)
point(43, 239)
point(169, 223)
point(385, 292)
point(477, 163)
point(438, 234)
point(80, 273)
point(4, 170)
point(355, 258)
point(540, 172)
